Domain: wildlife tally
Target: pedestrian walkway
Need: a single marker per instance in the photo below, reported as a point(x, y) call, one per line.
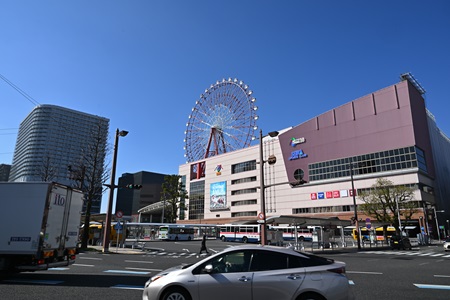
point(117, 250)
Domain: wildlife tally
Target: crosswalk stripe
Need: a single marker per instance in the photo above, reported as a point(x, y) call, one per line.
point(413, 253)
point(426, 254)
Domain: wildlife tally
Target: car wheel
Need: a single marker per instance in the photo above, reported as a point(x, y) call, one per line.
point(310, 296)
point(176, 294)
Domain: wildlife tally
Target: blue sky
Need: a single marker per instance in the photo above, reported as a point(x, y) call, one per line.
point(144, 63)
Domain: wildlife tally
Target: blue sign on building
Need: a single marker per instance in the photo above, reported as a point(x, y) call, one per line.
point(298, 154)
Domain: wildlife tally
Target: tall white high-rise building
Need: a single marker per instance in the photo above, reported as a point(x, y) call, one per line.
point(52, 143)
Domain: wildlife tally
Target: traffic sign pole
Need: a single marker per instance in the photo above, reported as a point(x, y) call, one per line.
point(118, 228)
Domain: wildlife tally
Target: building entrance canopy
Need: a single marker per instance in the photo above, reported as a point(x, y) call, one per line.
point(305, 221)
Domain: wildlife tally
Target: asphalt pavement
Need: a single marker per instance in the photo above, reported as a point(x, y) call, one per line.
point(352, 247)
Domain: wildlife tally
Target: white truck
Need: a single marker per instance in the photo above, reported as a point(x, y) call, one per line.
point(40, 225)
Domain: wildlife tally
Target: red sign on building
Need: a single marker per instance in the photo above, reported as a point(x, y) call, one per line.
point(329, 195)
point(351, 192)
point(313, 196)
point(336, 194)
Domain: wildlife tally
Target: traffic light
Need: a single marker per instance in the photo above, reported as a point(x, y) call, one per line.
point(134, 186)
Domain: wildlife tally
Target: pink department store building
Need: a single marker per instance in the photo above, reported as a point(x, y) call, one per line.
point(387, 134)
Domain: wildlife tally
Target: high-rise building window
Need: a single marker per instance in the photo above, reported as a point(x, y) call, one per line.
point(197, 200)
point(243, 167)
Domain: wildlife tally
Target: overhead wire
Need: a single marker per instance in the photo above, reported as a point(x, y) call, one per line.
point(28, 97)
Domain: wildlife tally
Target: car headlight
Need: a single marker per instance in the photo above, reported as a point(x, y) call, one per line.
point(154, 278)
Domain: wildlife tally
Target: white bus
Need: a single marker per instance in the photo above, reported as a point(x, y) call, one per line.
point(251, 233)
point(303, 234)
point(240, 233)
point(143, 232)
point(173, 232)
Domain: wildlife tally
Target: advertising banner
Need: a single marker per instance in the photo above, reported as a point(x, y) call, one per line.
point(218, 194)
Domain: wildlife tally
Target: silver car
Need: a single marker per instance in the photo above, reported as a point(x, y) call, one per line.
point(253, 272)
point(447, 244)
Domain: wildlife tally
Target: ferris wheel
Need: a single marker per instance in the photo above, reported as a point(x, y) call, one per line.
point(222, 120)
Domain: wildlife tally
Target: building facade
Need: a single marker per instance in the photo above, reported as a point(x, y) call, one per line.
point(51, 142)
point(131, 201)
point(309, 169)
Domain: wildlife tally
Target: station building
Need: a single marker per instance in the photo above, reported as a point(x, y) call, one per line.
point(309, 170)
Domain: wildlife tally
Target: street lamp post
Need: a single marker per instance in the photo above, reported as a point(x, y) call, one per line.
point(448, 228)
point(355, 208)
point(262, 186)
point(398, 217)
point(111, 186)
point(437, 222)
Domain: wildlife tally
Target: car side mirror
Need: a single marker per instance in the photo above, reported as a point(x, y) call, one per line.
point(208, 269)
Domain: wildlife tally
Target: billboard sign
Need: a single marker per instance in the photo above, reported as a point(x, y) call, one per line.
point(218, 195)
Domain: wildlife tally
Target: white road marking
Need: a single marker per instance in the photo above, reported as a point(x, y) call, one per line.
point(432, 286)
point(128, 287)
point(142, 269)
point(91, 258)
point(139, 261)
point(368, 273)
point(81, 265)
point(126, 272)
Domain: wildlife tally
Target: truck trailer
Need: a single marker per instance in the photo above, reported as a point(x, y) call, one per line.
point(40, 225)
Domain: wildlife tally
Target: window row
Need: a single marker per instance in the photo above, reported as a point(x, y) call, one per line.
point(243, 180)
point(384, 161)
point(243, 167)
point(244, 214)
point(244, 202)
point(324, 209)
point(244, 191)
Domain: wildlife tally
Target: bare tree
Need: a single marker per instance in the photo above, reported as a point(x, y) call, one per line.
point(174, 193)
point(48, 171)
point(386, 201)
point(90, 172)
